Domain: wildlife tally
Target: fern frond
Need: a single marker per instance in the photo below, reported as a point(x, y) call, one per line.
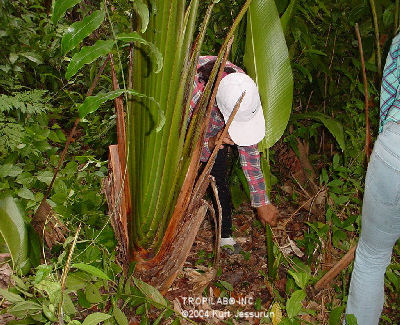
point(27, 102)
point(11, 134)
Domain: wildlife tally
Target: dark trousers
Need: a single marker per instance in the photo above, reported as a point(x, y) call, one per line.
point(219, 171)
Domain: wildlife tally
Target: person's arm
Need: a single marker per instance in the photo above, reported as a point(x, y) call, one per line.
point(215, 125)
point(250, 161)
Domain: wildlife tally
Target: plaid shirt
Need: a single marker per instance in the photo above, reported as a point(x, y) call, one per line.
point(390, 96)
point(249, 155)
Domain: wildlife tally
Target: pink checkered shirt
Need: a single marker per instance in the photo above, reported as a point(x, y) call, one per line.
point(249, 155)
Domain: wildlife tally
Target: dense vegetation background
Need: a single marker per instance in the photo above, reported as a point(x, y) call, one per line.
point(318, 166)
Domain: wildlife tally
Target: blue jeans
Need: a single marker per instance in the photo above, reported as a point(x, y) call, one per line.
point(380, 228)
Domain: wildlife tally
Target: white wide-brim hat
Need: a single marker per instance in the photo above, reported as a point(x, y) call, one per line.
point(248, 125)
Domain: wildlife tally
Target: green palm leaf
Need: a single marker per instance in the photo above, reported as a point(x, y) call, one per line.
point(87, 55)
point(92, 103)
point(267, 62)
point(95, 318)
point(60, 7)
point(81, 29)
point(13, 230)
point(285, 19)
point(143, 12)
point(151, 49)
point(334, 126)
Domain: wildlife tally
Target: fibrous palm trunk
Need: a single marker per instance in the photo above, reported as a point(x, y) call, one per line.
point(166, 192)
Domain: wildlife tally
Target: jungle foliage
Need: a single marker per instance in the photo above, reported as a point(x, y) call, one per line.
point(45, 71)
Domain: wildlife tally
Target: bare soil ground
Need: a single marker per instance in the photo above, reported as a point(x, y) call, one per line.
point(246, 272)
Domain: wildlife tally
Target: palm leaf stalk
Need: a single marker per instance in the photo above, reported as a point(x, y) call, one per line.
point(179, 105)
point(153, 164)
point(377, 38)
point(151, 168)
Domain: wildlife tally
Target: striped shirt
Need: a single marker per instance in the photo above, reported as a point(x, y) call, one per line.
point(390, 96)
point(249, 155)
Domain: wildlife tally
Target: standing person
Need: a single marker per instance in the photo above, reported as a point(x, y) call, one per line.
point(381, 207)
point(246, 130)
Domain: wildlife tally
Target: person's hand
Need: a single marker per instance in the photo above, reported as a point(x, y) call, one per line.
point(268, 214)
point(226, 140)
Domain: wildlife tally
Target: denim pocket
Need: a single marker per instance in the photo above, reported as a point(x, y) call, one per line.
point(382, 181)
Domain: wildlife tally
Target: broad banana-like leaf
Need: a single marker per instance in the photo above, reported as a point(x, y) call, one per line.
point(87, 55)
point(334, 126)
point(60, 7)
point(13, 230)
point(81, 29)
point(267, 62)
